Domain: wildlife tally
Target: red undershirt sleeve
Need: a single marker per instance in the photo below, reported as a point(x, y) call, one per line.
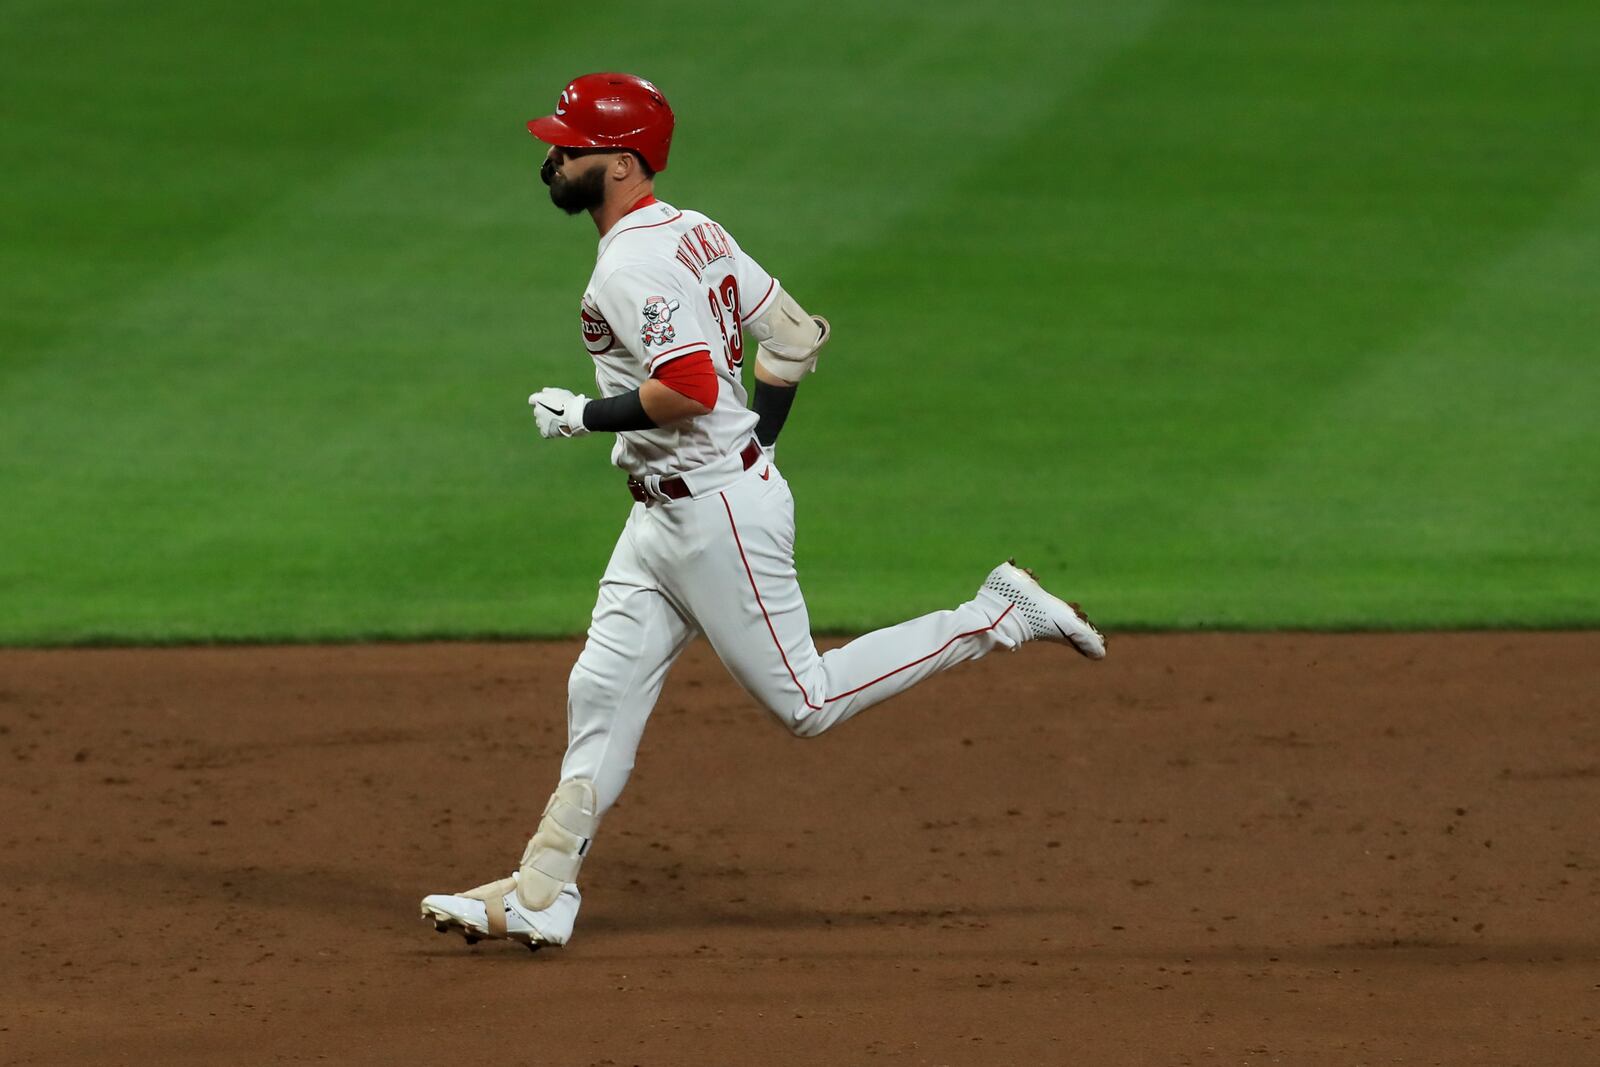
point(691, 376)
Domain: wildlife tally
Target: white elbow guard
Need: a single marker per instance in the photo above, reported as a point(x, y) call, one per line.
point(788, 339)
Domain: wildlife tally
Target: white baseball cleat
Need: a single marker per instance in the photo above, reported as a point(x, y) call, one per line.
point(1044, 616)
point(493, 912)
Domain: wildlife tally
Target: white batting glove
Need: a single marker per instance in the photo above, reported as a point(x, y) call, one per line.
point(559, 412)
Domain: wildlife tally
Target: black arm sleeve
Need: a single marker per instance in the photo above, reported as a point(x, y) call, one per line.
point(617, 413)
point(771, 405)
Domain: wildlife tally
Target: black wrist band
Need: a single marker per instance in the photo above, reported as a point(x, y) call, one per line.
point(771, 405)
point(617, 414)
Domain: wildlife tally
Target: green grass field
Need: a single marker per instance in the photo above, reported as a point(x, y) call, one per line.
point(1219, 314)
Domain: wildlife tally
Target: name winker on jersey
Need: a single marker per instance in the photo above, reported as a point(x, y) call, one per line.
point(708, 547)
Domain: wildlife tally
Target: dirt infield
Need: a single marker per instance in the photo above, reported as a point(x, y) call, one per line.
point(1209, 849)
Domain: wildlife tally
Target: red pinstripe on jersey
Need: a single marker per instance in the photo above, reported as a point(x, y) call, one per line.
point(771, 288)
point(682, 350)
point(642, 226)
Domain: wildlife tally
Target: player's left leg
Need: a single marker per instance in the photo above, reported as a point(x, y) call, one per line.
point(740, 586)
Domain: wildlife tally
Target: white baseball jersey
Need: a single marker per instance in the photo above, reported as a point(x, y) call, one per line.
point(668, 284)
point(717, 562)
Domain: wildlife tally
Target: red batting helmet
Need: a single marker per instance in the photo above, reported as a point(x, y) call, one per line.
point(610, 111)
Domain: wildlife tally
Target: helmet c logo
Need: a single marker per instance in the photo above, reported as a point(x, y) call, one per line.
point(561, 106)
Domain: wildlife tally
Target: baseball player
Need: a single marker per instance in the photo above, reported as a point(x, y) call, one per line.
point(709, 545)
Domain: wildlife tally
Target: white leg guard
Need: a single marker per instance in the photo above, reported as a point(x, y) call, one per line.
point(557, 848)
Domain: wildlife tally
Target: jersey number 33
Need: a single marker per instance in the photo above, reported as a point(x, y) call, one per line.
point(725, 309)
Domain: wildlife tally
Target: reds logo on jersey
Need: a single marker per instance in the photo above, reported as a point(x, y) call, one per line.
point(596, 330)
point(657, 328)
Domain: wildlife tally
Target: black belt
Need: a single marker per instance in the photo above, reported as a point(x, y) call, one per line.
point(674, 488)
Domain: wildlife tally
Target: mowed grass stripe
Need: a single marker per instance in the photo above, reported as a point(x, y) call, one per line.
point(1251, 223)
point(139, 136)
point(1463, 491)
point(311, 425)
point(1111, 307)
point(193, 454)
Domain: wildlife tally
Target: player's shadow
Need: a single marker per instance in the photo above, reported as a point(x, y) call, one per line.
point(693, 907)
point(619, 916)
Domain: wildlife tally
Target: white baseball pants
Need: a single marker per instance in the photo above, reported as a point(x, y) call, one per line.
point(722, 563)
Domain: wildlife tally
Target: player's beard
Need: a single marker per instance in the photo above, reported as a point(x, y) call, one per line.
point(584, 193)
